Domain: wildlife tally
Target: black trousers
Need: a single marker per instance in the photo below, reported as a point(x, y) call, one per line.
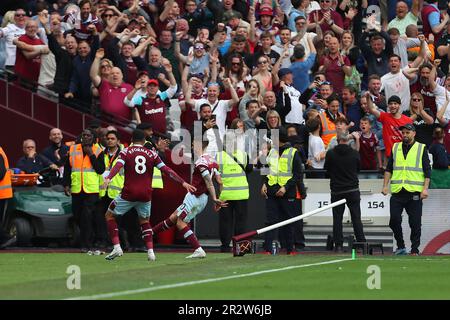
point(299, 237)
point(353, 203)
point(3, 234)
point(280, 209)
point(413, 206)
point(235, 214)
point(84, 210)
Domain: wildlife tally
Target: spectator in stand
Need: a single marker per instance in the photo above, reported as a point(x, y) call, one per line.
point(220, 108)
point(121, 56)
point(433, 21)
point(375, 125)
point(423, 119)
point(343, 125)
point(438, 151)
point(316, 149)
point(426, 85)
point(401, 46)
point(378, 53)
point(167, 18)
point(198, 60)
point(188, 115)
point(353, 53)
point(327, 18)
point(351, 107)
point(335, 66)
point(301, 66)
point(10, 32)
point(391, 120)
point(288, 97)
point(253, 93)
point(28, 64)
point(236, 70)
point(302, 36)
point(32, 162)
point(152, 107)
point(369, 150)
point(265, 49)
point(57, 151)
point(80, 82)
point(374, 88)
point(443, 50)
point(283, 46)
point(197, 16)
point(112, 91)
point(396, 82)
point(167, 48)
point(84, 22)
point(405, 17)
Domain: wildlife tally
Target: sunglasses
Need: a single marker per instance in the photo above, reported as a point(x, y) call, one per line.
point(199, 47)
point(236, 63)
point(106, 66)
point(30, 147)
point(262, 62)
point(19, 15)
point(416, 99)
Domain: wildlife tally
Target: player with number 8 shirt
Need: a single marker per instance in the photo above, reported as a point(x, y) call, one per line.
point(138, 163)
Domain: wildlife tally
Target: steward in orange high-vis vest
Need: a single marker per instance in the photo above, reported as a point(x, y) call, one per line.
point(81, 180)
point(5, 194)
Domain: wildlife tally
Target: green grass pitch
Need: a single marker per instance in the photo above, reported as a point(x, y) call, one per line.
point(221, 276)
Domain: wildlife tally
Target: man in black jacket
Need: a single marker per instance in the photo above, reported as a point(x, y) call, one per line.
point(280, 191)
point(342, 164)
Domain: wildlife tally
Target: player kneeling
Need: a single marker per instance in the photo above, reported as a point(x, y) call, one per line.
point(195, 201)
point(137, 163)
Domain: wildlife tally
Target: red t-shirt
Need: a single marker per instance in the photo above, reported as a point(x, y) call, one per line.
point(138, 164)
point(335, 16)
point(188, 116)
point(204, 165)
point(391, 131)
point(111, 99)
point(28, 68)
point(447, 137)
point(368, 151)
point(154, 111)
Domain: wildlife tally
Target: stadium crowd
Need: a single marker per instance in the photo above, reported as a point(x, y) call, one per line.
point(315, 68)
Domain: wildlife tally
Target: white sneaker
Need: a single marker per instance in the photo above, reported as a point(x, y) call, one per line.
point(117, 252)
point(198, 253)
point(151, 256)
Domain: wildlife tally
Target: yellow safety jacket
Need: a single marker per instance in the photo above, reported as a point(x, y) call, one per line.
point(116, 184)
point(407, 173)
point(83, 176)
point(234, 179)
point(280, 167)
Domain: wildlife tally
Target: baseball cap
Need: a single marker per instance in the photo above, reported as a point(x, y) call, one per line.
point(395, 98)
point(141, 73)
point(408, 126)
point(153, 81)
point(283, 71)
point(266, 12)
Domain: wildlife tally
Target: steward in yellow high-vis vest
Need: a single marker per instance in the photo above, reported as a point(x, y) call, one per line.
point(280, 189)
point(81, 180)
point(233, 167)
point(409, 172)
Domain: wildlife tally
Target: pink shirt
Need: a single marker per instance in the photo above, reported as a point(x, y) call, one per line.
point(111, 99)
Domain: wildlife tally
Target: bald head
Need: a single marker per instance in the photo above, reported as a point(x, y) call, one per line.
point(31, 28)
point(116, 77)
point(333, 45)
point(55, 136)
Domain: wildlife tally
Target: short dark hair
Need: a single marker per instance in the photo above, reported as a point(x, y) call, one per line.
point(250, 102)
point(114, 132)
point(204, 105)
point(312, 124)
point(333, 97)
point(395, 56)
point(350, 88)
point(365, 118)
point(393, 31)
point(374, 77)
point(138, 135)
point(265, 34)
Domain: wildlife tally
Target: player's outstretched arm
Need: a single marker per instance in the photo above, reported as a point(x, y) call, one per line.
point(212, 191)
point(115, 170)
point(175, 177)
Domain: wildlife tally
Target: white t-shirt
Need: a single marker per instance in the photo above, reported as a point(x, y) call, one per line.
point(315, 146)
point(396, 84)
point(279, 48)
point(221, 108)
point(296, 113)
point(10, 32)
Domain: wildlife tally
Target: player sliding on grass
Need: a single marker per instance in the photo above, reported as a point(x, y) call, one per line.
point(138, 163)
point(195, 201)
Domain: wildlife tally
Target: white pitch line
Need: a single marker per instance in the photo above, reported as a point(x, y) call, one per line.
point(191, 283)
